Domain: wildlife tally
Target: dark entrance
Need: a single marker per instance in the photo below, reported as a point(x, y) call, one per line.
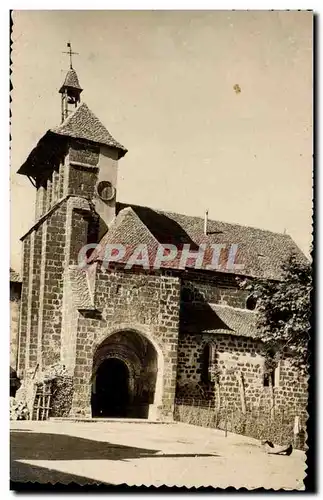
point(110, 393)
point(124, 376)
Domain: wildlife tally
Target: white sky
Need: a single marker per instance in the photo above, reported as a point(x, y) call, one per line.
point(162, 83)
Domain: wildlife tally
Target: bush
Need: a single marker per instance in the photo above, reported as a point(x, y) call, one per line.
point(62, 393)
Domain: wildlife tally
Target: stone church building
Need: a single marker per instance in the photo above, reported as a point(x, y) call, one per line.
point(136, 338)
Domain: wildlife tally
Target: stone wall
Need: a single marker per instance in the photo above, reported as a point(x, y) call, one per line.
point(34, 289)
point(42, 291)
point(15, 295)
point(82, 181)
point(131, 301)
point(22, 344)
point(233, 356)
point(216, 288)
point(53, 288)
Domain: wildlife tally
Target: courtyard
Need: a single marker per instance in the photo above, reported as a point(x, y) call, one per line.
point(142, 453)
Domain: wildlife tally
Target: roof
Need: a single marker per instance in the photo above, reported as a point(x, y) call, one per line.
point(71, 80)
point(216, 318)
point(80, 124)
point(83, 124)
point(260, 252)
point(127, 229)
point(14, 276)
point(241, 321)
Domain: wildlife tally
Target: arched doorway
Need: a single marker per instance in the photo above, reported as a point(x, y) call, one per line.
point(124, 376)
point(111, 395)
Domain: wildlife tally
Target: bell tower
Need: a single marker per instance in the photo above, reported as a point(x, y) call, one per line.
point(74, 170)
point(70, 90)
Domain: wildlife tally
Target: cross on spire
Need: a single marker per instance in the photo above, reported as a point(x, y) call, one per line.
point(70, 53)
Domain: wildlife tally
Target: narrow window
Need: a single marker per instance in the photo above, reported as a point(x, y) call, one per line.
point(251, 302)
point(269, 379)
point(272, 371)
point(206, 364)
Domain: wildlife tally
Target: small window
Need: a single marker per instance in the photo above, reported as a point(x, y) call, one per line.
point(251, 302)
point(269, 379)
point(206, 364)
point(272, 372)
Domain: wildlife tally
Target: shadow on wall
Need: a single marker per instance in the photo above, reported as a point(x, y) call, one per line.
point(195, 317)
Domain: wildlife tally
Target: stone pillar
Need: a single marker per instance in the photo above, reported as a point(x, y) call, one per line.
point(55, 187)
point(81, 403)
point(49, 194)
point(61, 177)
point(40, 202)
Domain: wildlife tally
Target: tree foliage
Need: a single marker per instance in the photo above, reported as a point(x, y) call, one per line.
point(284, 311)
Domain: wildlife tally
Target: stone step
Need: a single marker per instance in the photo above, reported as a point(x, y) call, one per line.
point(105, 420)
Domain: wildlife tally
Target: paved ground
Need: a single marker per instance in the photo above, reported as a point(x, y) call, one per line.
point(149, 454)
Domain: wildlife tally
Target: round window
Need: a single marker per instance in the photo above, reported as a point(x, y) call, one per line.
point(105, 190)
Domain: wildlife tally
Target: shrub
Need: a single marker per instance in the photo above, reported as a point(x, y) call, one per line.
point(62, 393)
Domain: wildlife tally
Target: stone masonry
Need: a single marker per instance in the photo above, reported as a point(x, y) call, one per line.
point(135, 302)
point(15, 297)
point(232, 354)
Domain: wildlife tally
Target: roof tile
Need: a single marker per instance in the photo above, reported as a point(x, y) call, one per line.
point(260, 252)
point(83, 124)
point(215, 318)
point(71, 80)
point(128, 230)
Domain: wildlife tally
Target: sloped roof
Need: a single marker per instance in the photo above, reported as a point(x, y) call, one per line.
point(128, 230)
point(71, 80)
point(241, 321)
point(216, 318)
point(260, 252)
point(83, 124)
point(14, 276)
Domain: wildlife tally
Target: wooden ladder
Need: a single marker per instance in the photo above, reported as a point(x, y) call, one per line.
point(42, 403)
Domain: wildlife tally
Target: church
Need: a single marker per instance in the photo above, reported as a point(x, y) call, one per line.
point(135, 338)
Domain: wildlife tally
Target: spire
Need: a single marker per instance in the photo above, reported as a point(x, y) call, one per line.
point(71, 89)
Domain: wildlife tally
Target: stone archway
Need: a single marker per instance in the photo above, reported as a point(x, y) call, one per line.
point(124, 376)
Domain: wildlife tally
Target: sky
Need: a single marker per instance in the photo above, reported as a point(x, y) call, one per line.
point(164, 83)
